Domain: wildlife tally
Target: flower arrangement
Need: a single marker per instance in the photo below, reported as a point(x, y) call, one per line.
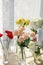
point(27, 40)
point(23, 38)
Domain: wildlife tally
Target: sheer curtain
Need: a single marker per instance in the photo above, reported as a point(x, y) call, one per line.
point(8, 18)
point(1, 31)
point(26, 8)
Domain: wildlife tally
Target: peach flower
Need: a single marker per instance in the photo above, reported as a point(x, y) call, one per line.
point(20, 33)
point(21, 28)
point(15, 33)
point(32, 34)
point(25, 36)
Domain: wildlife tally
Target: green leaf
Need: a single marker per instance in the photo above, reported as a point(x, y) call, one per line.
point(34, 30)
point(24, 43)
point(38, 51)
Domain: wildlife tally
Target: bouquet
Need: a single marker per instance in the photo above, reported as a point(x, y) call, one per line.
point(23, 38)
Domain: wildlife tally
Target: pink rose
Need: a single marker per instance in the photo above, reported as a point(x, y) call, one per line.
point(25, 36)
point(21, 39)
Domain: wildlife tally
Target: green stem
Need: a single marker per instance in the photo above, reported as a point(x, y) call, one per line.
point(8, 42)
point(1, 43)
point(22, 52)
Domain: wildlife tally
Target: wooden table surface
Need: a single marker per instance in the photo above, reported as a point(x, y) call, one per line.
point(13, 60)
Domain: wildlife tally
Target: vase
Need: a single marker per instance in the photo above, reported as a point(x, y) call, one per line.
point(5, 54)
point(37, 58)
point(5, 51)
point(22, 56)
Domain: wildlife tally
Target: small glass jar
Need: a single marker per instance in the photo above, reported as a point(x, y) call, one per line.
point(37, 55)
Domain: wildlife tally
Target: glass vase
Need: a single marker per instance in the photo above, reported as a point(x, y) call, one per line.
point(5, 53)
point(37, 58)
point(22, 56)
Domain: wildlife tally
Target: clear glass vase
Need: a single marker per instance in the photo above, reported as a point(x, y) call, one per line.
point(22, 56)
point(5, 53)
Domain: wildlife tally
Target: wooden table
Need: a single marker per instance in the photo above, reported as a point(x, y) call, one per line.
point(13, 60)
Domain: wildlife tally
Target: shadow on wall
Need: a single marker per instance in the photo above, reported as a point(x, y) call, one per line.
point(41, 10)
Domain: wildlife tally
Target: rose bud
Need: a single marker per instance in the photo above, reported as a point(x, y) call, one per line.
point(21, 39)
point(15, 33)
point(32, 34)
point(35, 39)
point(21, 28)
